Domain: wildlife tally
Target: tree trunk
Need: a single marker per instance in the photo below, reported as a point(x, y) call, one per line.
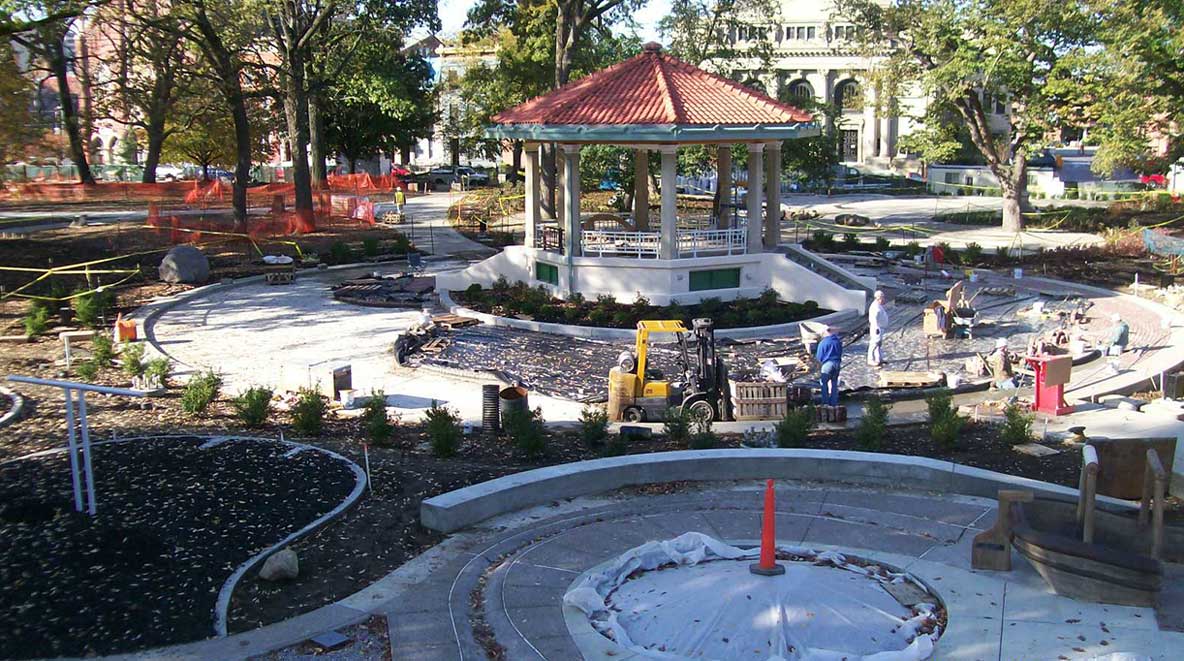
point(296, 114)
point(1014, 187)
point(353, 165)
point(155, 144)
point(57, 62)
point(405, 155)
point(316, 138)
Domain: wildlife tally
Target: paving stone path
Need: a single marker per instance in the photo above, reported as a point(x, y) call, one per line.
point(511, 573)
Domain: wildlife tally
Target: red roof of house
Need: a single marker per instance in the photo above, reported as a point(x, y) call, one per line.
point(653, 88)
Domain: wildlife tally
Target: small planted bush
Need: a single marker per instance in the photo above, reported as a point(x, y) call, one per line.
point(972, 253)
point(940, 403)
point(253, 406)
point(90, 308)
point(371, 247)
point(159, 369)
point(200, 391)
point(340, 253)
point(132, 355)
point(944, 422)
point(1017, 424)
point(850, 241)
point(702, 436)
point(36, 321)
point(792, 430)
point(375, 421)
point(870, 433)
point(526, 431)
point(443, 428)
point(102, 349)
point(308, 413)
point(593, 425)
point(882, 244)
point(676, 425)
point(87, 370)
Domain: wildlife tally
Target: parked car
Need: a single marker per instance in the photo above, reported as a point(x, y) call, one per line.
point(446, 176)
point(170, 173)
point(473, 177)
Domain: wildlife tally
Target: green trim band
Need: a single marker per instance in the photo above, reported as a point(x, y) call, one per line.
point(660, 133)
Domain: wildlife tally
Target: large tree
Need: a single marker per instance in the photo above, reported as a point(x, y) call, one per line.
point(47, 35)
point(965, 53)
point(18, 126)
point(701, 31)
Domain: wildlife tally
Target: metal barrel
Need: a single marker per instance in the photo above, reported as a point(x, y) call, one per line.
point(513, 398)
point(490, 411)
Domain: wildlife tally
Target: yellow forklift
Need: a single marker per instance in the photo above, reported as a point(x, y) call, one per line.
point(639, 393)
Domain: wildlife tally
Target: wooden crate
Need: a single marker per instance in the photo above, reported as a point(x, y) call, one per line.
point(763, 400)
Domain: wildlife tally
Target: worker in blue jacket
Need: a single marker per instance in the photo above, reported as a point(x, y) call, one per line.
point(830, 355)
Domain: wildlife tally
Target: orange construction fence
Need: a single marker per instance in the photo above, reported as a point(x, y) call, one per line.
point(189, 192)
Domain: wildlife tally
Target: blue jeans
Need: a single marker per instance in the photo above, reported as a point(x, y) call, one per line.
point(829, 382)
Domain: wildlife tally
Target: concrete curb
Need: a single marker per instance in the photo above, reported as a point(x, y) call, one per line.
point(18, 407)
point(464, 507)
point(611, 334)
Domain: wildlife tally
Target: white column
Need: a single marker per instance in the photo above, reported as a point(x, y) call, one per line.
point(669, 245)
point(641, 189)
point(870, 125)
point(887, 137)
point(571, 199)
point(772, 195)
point(723, 167)
point(533, 208)
point(755, 185)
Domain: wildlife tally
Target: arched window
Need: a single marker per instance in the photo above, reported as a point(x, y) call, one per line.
point(848, 95)
point(798, 89)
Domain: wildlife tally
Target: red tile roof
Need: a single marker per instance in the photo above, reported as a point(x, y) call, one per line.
point(653, 88)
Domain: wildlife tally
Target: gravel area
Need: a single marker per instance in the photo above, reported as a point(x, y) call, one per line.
point(175, 517)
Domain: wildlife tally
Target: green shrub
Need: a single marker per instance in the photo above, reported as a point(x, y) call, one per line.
point(526, 431)
point(159, 369)
point(473, 290)
point(87, 370)
point(676, 425)
point(253, 406)
point(1017, 424)
point(443, 428)
point(822, 241)
point(972, 253)
point(882, 244)
point(102, 349)
point(792, 430)
point(702, 436)
point(36, 321)
point(375, 421)
point(850, 241)
point(90, 308)
point(870, 433)
point(308, 413)
point(501, 285)
point(940, 403)
point(340, 253)
point(912, 249)
point(1002, 252)
point(371, 247)
point(617, 446)
point(945, 431)
point(200, 391)
point(593, 425)
point(132, 355)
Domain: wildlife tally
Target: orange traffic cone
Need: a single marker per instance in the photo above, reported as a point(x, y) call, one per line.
point(768, 563)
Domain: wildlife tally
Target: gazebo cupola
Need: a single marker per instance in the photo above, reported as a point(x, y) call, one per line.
point(649, 103)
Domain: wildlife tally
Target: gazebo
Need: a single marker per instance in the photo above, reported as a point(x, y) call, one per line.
point(655, 103)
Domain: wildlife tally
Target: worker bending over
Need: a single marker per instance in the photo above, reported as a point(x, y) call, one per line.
point(830, 356)
point(1120, 336)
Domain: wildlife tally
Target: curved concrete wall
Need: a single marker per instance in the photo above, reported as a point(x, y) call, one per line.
point(464, 507)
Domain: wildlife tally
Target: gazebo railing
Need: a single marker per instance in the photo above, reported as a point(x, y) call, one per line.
point(629, 244)
point(549, 237)
point(692, 243)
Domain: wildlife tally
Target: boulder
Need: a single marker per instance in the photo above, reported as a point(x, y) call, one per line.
point(281, 566)
point(185, 264)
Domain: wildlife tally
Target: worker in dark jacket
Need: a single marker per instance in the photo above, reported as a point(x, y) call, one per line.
point(830, 356)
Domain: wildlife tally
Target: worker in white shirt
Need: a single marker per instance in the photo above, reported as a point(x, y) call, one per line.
point(877, 321)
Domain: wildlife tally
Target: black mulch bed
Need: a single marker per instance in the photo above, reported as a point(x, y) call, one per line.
point(173, 522)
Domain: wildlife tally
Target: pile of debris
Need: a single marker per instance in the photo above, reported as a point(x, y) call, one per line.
point(399, 291)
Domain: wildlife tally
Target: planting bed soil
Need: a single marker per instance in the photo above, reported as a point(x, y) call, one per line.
point(174, 521)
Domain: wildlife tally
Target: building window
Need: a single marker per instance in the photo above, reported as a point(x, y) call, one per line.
point(848, 96)
point(789, 32)
point(801, 33)
point(809, 33)
point(799, 90)
point(951, 177)
point(548, 273)
point(715, 279)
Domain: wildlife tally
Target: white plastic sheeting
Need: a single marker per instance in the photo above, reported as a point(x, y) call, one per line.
point(693, 597)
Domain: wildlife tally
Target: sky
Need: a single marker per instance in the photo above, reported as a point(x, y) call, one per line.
point(452, 16)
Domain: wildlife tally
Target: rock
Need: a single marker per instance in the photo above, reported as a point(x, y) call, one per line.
point(185, 264)
point(635, 431)
point(1121, 402)
point(282, 566)
point(1035, 449)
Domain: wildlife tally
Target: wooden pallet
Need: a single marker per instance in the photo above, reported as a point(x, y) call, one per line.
point(435, 345)
point(762, 400)
point(279, 277)
point(454, 321)
point(910, 379)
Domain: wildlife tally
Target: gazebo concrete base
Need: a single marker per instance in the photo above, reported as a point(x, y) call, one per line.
point(659, 280)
